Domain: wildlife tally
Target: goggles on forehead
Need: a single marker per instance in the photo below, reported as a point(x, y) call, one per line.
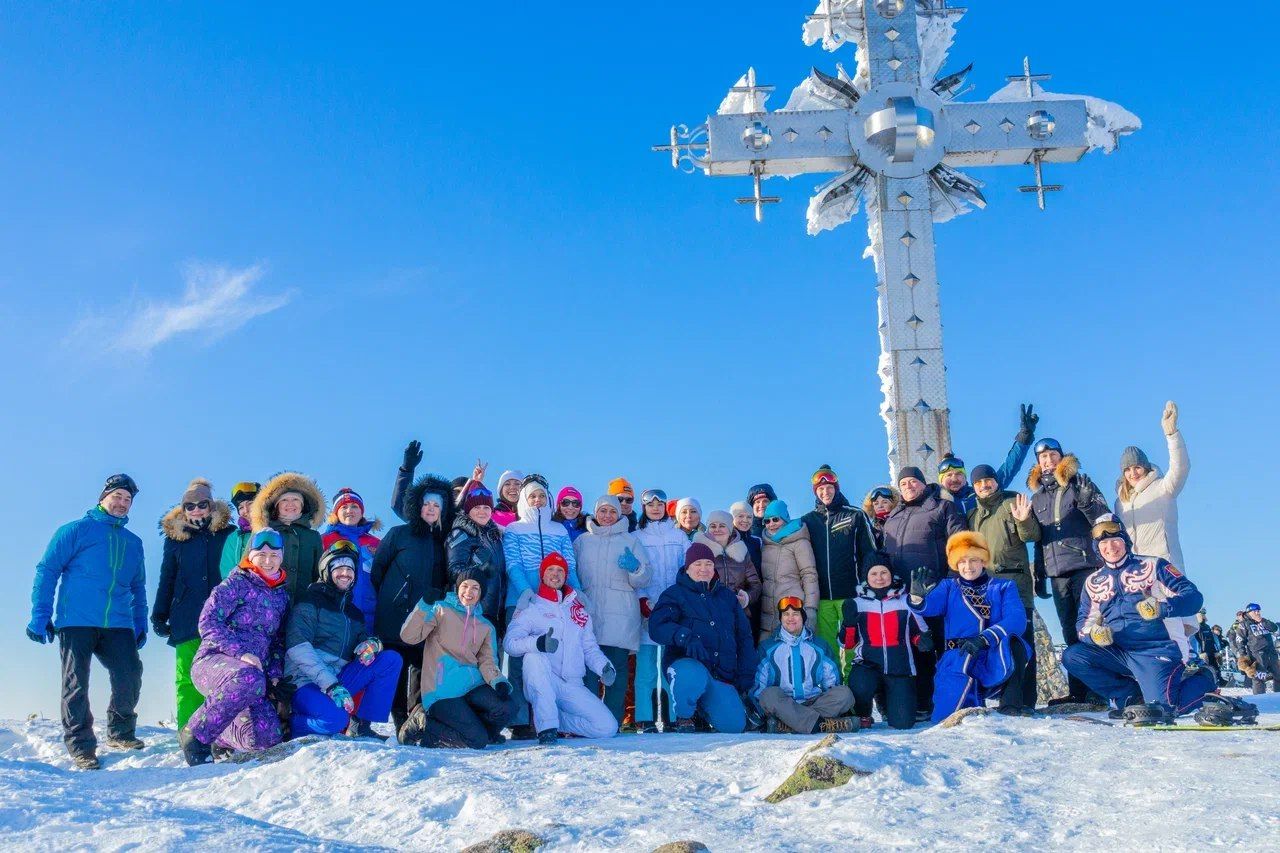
point(343, 546)
point(790, 602)
point(882, 492)
point(1047, 444)
point(651, 495)
point(1106, 530)
point(951, 463)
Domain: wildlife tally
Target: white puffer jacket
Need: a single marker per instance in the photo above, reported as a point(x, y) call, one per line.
point(612, 593)
point(570, 623)
point(527, 541)
point(1151, 513)
point(664, 544)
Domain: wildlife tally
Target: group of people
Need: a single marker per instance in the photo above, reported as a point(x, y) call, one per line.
point(502, 610)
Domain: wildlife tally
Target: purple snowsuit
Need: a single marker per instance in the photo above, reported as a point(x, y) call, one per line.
point(242, 616)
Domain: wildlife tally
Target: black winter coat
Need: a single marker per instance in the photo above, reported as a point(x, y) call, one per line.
point(843, 547)
point(712, 613)
point(329, 620)
point(916, 533)
point(1066, 504)
point(479, 549)
point(411, 564)
point(189, 571)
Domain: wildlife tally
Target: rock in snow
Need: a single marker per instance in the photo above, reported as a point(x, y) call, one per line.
point(998, 782)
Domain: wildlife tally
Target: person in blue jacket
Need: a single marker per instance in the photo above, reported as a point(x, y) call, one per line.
point(954, 479)
point(983, 620)
point(707, 645)
point(90, 592)
point(1125, 651)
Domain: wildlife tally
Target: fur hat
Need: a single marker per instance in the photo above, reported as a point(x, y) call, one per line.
point(967, 543)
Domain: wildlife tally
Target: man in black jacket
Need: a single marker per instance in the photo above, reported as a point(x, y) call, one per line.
point(843, 549)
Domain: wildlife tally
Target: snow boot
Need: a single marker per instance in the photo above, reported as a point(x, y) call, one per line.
point(867, 722)
point(193, 750)
point(1226, 711)
point(685, 726)
point(362, 728)
point(86, 761)
point(414, 730)
point(839, 725)
point(649, 728)
point(523, 732)
point(1149, 714)
point(1017, 712)
point(221, 753)
point(548, 737)
point(129, 742)
point(774, 726)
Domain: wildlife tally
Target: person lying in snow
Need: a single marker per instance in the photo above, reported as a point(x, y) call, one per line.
point(797, 680)
point(983, 619)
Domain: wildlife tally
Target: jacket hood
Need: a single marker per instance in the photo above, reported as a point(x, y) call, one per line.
point(597, 529)
point(894, 501)
point(174, 522)
point(736, 549)
point(1067, 468)
point(413, 502)
point(313, 505)
point(527, 513)
point(1126, 492)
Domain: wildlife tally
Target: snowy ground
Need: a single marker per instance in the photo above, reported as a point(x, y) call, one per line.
point(1011, 783)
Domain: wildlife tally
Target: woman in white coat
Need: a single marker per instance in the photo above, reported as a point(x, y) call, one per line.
point(664, 547)
point(612, 567)
point(1147, 502)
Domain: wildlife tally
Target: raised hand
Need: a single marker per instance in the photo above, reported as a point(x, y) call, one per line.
point(1169, 420)
point(412, 455)
point(628, 561)
point(1021, 508)
point(921, 584)
point(1027, 421)
point(477, 473)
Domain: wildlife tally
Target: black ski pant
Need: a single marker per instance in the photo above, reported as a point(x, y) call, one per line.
point(117, 650)
point(927, 665)
point(469, 721)
point(1067, 592)
point(409, 684)
point(896, 695)
point(1013, 694)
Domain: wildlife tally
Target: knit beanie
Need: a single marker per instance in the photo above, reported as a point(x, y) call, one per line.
point(568, 492)
point(621, 486)
point(697, 551)
point(824, 476)
point(721, 516)
point(246, 490)
point(608, 500)
point(1134, 456)
point(777, 509)
point(684, 502)
point(739, 506)
point(983, 472)
point(477, 496)
point(510, 474)
point(119, 481)
point(911, 471)
point(198, 490)
point(470, 575)
point(345, 496)
point(552, 559)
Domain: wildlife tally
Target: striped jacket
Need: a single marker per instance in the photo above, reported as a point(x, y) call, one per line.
point(879, 630)
point(802, 667)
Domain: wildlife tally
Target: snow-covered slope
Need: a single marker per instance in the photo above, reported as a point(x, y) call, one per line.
point(1012, 783)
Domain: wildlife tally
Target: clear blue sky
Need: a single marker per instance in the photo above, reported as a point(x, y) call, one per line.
point(444, 222)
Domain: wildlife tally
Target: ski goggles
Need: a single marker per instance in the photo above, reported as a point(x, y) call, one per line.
point(827, 477)
point(247, 487)
point(1047, 444)
point(651, 495)
point(790, 602)
point(951, 463)
point(266, 539)
point(1106, 529)
point(882, 492)
point(344, 546)
point(192, 506)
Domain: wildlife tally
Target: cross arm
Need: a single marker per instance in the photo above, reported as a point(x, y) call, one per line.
point(779, 143)
point(1007, 133)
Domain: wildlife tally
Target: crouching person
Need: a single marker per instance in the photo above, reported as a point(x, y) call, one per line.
point(797, 680)
point(241, 656)
point(707, 645)
point(465, 700)
point(1125, 651)
point(881, 637)
point(332, 658)
point(553, 637)
point(984, 620)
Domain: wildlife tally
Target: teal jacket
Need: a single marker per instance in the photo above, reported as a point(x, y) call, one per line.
point(96, 568)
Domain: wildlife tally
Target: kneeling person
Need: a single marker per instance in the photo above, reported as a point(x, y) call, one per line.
point(1125, 651)
point(984, 620)
point(797, 680)
point(553, 637)
point(331, 657)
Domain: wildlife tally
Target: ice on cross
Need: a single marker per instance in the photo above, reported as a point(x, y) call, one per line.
point(897, 138)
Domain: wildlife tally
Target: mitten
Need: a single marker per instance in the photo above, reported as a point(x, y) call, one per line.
point(548, 643)
point(1101, 635)
point(628, 561)
point(1149, 608)
point(608, 675)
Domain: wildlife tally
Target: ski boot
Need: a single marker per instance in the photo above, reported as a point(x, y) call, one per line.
point(1149, 714)
point(1220, 710)
point(685, 726)
point(548, 737)
point(193, 750)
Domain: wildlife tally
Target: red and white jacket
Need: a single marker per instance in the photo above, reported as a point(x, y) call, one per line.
point(561, 612)
point(881, 630)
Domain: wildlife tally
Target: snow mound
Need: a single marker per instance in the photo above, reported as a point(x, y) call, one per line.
point(1030, 784)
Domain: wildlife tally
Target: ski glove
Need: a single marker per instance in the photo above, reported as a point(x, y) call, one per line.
point(1149, 608)
point(628, 561)
point(924, 642)
point(1101, 635)
point(608, 675)
point(341, 697)
point(921, 584)
point(694, 648)
point(161, 629)
point(412, 455)
point(503, 688)
point(141, 639)
point(1027, 424)
point(41, 637)
point(368, 650)
point(645, 609)
point(548, 643)
point(972, 645)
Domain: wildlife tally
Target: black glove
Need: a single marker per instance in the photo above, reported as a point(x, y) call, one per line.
point(503, 689)
point(161, 629)
point(547, 643)
point(921, 583)
point(141, 639)
point(47, 636)
point(972, 645)
point(1042, 588)
point(694, 648)
point(925, 641)
point(1027, 424)
point(412, 456)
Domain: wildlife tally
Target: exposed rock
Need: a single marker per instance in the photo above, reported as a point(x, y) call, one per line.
point(681, 847)
point(816, 772)
point(1050, 682)
point(959, 716)
point(509, 841)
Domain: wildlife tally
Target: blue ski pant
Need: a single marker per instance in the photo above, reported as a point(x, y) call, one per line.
point(694, 691)
point(1123, 675)
point(314, 713)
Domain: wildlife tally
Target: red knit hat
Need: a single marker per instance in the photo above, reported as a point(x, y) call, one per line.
point(552, 559)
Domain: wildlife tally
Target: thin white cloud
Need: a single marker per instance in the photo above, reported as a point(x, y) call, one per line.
point(216, 301)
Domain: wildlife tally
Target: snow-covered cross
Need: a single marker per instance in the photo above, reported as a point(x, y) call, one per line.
point(895, 133)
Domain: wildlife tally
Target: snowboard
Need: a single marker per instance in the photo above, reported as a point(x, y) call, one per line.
point(1190, 727)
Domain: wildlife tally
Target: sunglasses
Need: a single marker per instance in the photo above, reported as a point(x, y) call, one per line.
point(194, 506)
point(570, 502)
point(773, 520)
point(623, 499)
point(790, 602)
point(652, 495)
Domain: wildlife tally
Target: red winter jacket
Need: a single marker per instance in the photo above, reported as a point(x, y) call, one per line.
point(881, 631)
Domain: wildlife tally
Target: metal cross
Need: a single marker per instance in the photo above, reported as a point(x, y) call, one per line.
point(895, 135)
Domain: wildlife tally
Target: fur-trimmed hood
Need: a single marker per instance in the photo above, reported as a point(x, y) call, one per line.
point(1067, 468)
point(866, 501)
point(413, 503)
point(313, 505)
point(174, 522)
point(736, 549)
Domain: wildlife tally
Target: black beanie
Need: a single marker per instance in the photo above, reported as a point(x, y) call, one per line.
point(911, 471)
point(470, 575)
point(983, 472)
